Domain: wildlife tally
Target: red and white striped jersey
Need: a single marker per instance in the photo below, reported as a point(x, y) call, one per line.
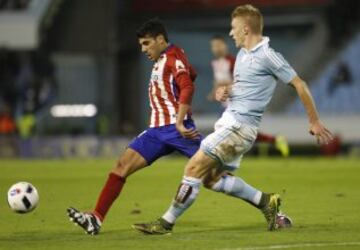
point(223, 69)
point(164, 90)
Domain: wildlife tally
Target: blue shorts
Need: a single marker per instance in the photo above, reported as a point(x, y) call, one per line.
point(154, 143)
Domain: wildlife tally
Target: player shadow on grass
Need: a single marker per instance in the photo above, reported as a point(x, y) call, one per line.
point(59, 237)
point(201, 227)
point(38, 235)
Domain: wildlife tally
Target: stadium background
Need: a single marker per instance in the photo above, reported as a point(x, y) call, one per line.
point(73, 92)
point(61, 52)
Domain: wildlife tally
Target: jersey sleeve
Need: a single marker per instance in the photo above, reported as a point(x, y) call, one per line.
point(186, 88)
point(278, 66)
point(193, 73)
point(184, 76)
point(178, 66)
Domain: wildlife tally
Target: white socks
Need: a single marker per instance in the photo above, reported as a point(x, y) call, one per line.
point(237, 187)
point(190, 187)
point(186, 195)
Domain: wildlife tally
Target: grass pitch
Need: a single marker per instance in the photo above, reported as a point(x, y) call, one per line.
point(320, 195)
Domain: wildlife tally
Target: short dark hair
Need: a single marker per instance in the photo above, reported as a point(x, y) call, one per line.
point(152, 28)
point(218, 37)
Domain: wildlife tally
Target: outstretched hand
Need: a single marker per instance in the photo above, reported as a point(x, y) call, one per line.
point(321, 133)
point(222, 93)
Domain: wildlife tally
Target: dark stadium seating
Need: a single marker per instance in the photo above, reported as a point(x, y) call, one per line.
point(337, 89)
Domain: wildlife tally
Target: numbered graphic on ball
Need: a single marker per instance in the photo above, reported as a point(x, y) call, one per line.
point(23, 197)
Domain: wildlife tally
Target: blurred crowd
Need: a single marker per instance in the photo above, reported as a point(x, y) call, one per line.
point(13, 4)
point(342, 19)
point(27, 85)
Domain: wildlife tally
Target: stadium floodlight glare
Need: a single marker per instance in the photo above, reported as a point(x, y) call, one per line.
point(73, 110)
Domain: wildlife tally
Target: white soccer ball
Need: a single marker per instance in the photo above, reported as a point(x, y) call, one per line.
point(283, 221)
point(23, 197)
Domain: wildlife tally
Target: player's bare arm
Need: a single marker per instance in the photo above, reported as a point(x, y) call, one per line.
point(322, 134)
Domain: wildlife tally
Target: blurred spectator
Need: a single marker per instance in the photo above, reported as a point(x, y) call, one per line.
point(35, 82)
point(342, 77)
point(26, 124)
point(44, 83)
point(333, 147)
point(7, 123)
point(27, 85)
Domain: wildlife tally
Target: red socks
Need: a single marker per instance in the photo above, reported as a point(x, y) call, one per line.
point(108, 195)
point(261, 137)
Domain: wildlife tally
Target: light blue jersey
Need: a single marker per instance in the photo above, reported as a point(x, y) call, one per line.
point(256, 73)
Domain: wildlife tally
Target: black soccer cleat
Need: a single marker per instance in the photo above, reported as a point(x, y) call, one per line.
point(89, 222)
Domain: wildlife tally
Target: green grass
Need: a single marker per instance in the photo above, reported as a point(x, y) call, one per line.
point(321, 196)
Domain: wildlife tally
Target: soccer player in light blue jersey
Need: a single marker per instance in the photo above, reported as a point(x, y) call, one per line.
point(257, 69)
point(223, 65)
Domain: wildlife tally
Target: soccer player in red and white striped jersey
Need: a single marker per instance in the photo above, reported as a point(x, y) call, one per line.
point(171, 128)
point(222, 64)
point(170, 87)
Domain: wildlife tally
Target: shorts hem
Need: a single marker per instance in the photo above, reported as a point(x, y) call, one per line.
point(222, 164)
point(148, 162)
point(208, 152)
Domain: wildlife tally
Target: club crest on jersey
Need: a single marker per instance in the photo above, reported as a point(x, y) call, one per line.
point(179, 65)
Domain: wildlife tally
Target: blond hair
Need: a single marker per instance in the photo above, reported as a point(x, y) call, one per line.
point(252, 16)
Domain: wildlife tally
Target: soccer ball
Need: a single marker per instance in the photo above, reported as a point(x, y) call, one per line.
point(23, 197)
point(283, 221)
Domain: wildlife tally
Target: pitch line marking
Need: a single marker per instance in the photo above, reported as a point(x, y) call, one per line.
point(330, 244)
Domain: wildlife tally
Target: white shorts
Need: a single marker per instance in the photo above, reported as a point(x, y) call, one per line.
point(229, 141)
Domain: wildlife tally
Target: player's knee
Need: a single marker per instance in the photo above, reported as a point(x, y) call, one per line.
point(192, 170)
point(199, 166)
